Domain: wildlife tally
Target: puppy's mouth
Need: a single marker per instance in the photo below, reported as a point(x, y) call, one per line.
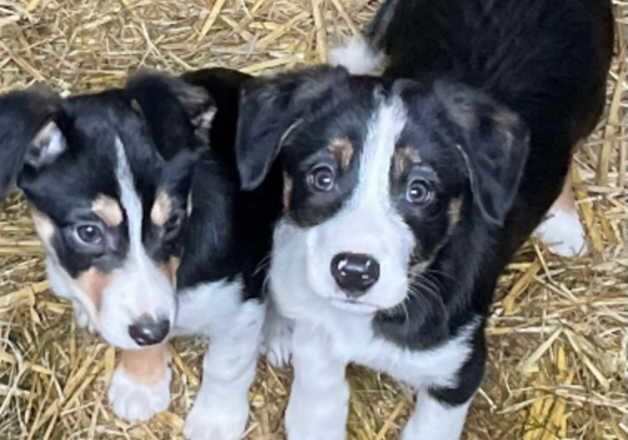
point(355, 306)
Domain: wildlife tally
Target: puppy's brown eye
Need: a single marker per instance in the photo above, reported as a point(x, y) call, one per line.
point(90, 234)
point(419, 192)
point(322, 178)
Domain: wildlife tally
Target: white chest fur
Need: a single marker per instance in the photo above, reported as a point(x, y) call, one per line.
point(326, 338)
point(350, 336)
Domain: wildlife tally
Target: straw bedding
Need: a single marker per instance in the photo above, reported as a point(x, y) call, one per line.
point(559, 330)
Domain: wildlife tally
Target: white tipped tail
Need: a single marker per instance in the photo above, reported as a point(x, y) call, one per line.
point(358, 56)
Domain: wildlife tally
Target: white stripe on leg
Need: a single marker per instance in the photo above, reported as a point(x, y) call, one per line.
point(221, 408)
point(319, 399)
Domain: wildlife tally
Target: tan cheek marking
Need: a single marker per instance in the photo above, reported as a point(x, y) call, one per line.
point(404, 158)
point(146, 366)
point(108, 210)
point(170, 269)
point(423, 262)
point(93, 282)
point(343, 150)
point(162, 209)
point(43, 225)
point(287, 192)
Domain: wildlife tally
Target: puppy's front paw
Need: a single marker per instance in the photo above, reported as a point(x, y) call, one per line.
point(563, 234)
point(134, 401)
point(216, 419)
point(304, 427)
point(277, 344)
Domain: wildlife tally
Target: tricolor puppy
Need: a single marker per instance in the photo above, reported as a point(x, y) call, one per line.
point(108, 206)
point(405, 195)
point(131, 205)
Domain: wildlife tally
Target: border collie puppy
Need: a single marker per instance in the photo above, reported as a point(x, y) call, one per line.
point(406, 195)
point(131, 205)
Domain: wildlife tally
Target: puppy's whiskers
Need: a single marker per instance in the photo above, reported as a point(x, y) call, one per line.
point(263, 264)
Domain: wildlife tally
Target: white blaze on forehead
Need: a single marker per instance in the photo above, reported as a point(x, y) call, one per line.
point(383, 133)
point(130, 200)
point(367, 223)
point(139, 288)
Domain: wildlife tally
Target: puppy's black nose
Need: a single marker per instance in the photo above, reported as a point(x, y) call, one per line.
point(354, 273)
point(147, 331)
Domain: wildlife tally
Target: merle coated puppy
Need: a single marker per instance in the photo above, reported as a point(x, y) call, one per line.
point(132, 206)
point(405, 195)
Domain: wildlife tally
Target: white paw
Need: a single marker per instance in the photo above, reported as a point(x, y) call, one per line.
point(136, 402)
point(563, 233)
point(315, 413)
point(301, 425)
point(277, 344)
point(357, 56)
point(212, 418)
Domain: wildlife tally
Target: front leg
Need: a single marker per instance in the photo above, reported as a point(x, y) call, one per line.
point(436, 419)
point(140, 386)
point(440, 412)
point(221, 408)
point(277, 342)
point(319, 399)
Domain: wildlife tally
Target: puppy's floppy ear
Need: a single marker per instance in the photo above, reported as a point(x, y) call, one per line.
point(494, 144)
point(270, 109)
point(29, 133)
point(169, 105)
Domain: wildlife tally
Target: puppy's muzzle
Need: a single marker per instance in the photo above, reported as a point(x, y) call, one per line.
point(354, 273)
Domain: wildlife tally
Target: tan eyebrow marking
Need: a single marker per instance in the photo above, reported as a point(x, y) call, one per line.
point(404, 158)
point(343, 150)
point(162, 209)
point(108, 209)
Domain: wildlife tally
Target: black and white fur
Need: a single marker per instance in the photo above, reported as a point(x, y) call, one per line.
point(405, 195)
point(222, 295)
point(176, 242)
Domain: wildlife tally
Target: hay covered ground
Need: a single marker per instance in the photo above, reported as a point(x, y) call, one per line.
point(559, 331)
